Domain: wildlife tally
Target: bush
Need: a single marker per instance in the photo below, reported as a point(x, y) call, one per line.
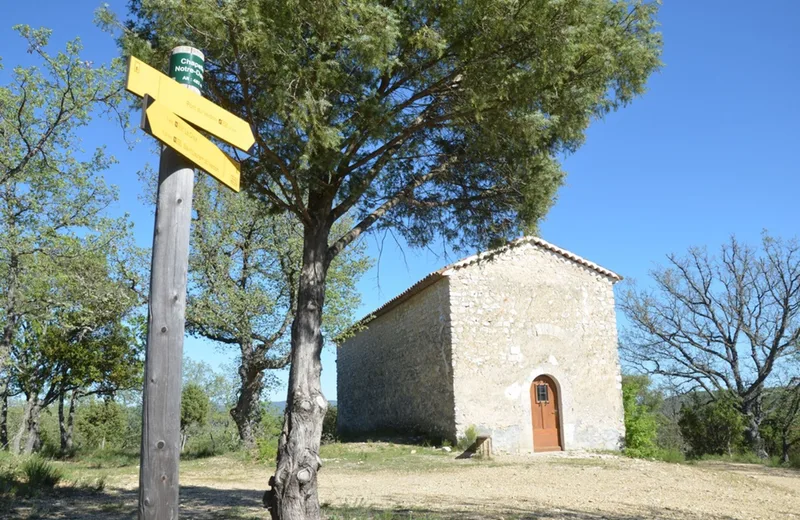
point(329, 433)
point(266, 449)
point(641, 428)
point(469, 438)
point(101, 424)
point(40, 473)
point(712, 428)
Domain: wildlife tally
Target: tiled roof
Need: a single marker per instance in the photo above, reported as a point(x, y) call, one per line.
point(443, 272)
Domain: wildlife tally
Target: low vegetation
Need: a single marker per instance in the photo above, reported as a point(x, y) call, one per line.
point(692, 427)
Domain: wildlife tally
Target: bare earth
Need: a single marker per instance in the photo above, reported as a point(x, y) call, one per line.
point(425, 485)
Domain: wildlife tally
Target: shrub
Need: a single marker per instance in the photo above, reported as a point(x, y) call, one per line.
point(641, 428)
point(40, 473)
point(712, 428)
point(266, 449)
point(102, 424)
point(669, 455)
point(329, 433)
point(469, 437)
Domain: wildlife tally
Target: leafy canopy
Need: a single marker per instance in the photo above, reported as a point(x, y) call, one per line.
point(429, 117)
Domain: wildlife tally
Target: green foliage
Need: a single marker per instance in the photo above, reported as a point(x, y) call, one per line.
point(40, 473)
point(244, 264)
point(452, 114)
point(27, 476)
point(329, 432)
point(69, 276)
point(712, 427)
point(269, 429)
point(101, 425)
point(469, 437)
point(194, 406)
point(781, 427)
point(641, 428)
point(219, 386)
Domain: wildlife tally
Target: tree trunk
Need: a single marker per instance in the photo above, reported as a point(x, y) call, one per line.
point(246, 413)
point(4, 417)
point(65, 422)
point(62, 424)
point(752, 434)
point(17, 441)
point(294, 486)
point(785, 451)
point(33, 442)
point(73, 403)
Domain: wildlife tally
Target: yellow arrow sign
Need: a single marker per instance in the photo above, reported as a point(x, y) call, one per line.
point(144, 79)
point(178, 134)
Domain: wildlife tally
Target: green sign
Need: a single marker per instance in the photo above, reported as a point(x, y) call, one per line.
point(186, 66)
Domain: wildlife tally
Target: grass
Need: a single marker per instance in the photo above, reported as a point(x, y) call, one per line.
point(27, 476)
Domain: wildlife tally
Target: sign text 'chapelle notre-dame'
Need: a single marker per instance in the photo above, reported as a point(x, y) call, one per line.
point(174, 105)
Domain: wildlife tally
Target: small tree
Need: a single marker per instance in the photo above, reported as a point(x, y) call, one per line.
point(712, 426)
point(194, 409)
point(102, 423)
point(641, 426)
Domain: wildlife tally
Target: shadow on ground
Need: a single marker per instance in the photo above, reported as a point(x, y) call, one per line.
point(205, 503)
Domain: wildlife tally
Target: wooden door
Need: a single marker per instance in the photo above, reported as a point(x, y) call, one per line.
point(544, 413)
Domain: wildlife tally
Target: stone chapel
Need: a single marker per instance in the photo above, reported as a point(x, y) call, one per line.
point(519, 342)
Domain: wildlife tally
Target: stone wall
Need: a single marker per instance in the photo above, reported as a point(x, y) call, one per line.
point(397, 374)
point(528, 312)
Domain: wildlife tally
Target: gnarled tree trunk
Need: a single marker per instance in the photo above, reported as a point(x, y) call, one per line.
point(23, 424)
point(246, 413)
point(34, 442)
point(294, 486)
point(753, 416)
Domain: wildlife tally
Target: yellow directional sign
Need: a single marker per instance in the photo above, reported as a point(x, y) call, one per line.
point(170, 129)
point(144, 79)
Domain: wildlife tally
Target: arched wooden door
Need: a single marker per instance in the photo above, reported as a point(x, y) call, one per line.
point(544, 413)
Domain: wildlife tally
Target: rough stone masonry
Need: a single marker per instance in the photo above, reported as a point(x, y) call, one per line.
point(462, 347)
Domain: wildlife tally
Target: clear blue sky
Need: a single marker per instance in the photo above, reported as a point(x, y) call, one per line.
point(704, 154)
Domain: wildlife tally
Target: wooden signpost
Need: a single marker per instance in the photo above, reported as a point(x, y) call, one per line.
point(170, 104)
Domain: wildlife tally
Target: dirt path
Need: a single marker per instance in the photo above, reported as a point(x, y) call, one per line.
point(570, 488)
point(583, 487)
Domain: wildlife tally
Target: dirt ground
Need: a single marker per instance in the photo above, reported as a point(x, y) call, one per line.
point(427, 485)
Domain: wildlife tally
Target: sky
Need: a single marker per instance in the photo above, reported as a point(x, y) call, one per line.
point(704, 154)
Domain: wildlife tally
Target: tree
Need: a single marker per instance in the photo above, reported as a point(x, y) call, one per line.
point(102, 422)
point(641, 426)
point(711, 426)
point(194, 409)
point(81, 344)
point(782, 422)
point(438, 120)
point(47, 193)
point(244, 267)
point(720, 324)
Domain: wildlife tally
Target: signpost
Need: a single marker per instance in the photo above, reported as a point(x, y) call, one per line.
point(173, 131)
point(166, 104)
point(144, 79)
